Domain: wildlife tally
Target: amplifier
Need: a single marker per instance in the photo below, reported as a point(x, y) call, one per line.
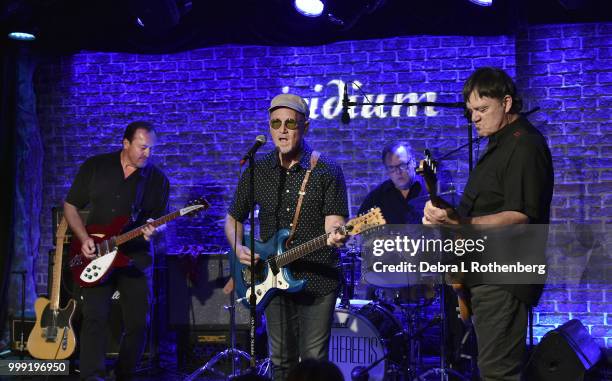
point(195, 284)
point(57, 213)
point(196, 347)
point(17, 344)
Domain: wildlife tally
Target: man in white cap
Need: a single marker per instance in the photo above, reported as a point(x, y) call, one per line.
point(298, 324)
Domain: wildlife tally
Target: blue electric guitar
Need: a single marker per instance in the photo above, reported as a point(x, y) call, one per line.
point(271, 272)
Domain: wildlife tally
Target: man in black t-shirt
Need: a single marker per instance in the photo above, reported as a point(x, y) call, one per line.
point(512, 183)
point(399, 201)
point(397, 196)
point(117, 184)
point(298, 324)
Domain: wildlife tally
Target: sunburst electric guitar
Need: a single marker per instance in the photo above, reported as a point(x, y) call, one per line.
point(271, 272)
point(428, 169)
point(90, 272)
point(52, 337)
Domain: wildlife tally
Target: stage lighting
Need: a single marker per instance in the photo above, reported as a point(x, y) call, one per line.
point(309, 8)
point(482, 3)
point(21, 36)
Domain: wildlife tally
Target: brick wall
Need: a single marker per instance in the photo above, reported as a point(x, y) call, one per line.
point(210, 104)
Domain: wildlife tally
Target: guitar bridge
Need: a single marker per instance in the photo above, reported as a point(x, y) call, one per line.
point(50, 334)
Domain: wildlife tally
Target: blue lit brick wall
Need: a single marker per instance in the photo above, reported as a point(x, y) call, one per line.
point(210, 103)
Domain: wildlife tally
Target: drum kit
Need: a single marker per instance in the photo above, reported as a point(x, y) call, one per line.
point(379, 329)
point(380, 336)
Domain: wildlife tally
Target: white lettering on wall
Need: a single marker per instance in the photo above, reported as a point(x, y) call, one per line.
point(331, 107)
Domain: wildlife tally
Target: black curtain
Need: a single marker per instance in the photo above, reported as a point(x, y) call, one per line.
point(21, 156)
point(8, 90)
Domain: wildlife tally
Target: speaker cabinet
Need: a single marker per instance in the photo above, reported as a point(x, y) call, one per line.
point(195, 291)
point(564, 354)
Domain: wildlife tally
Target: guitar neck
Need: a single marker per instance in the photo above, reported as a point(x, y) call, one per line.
point(57, 264)
point(138, 231)
point(299, 251)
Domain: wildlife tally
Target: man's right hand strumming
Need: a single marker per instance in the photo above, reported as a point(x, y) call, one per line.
point(88, 249)
point(243, 253)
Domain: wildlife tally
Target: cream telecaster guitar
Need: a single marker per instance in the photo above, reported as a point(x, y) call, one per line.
point(52, 337)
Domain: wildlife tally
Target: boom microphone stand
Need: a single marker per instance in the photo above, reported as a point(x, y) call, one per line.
point(346, 117)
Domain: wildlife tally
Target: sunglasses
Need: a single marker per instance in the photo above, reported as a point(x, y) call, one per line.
point(291, 124)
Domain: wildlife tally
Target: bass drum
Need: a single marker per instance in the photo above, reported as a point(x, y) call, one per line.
point(361, 337)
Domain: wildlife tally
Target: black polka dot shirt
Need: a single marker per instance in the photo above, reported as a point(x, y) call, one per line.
point(276, 193)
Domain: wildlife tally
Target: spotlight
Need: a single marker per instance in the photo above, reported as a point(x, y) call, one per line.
point(21, 36)
point(482, 3)
point(309, 8)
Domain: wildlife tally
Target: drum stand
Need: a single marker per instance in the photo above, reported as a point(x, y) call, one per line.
point(360, 373)
point(348, 282)
point(232, 353)
point(443, 371)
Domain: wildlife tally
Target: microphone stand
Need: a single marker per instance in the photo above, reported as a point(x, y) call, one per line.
point(252, 298)
point(346, 104)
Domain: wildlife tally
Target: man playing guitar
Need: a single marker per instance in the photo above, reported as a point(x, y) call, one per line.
point(117, 184)
point(512, 183)
point(298, 324)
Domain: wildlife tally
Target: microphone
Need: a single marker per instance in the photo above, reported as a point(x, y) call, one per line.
point(259, 141)
point(345, 118)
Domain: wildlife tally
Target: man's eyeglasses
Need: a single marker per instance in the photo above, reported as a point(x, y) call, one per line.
point(291, 124)
point(397, 168)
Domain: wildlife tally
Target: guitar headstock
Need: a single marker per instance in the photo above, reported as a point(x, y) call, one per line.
point(428, 168)
point(365, 222)
point(195, 206)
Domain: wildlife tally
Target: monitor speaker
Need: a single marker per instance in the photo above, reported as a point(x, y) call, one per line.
point(564, 353)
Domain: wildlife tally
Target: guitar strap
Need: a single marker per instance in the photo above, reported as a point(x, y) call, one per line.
point(314, 157)
point(140, 191)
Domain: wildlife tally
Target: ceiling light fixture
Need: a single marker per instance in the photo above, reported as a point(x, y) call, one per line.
point(309, 8)
point(21, 36)
point(482, 3)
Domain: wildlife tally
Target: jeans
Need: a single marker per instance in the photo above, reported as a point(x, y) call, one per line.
point(299, 328)
point(500, 322)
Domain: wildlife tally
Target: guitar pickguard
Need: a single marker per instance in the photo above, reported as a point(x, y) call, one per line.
point(98, 268)
point(272, 282)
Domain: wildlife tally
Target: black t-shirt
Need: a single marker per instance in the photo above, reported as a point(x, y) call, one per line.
point(100, 184)
point(514, 174)
point(395, 208)
point(276, 193)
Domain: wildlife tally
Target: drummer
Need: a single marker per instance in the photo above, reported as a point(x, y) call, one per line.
point(399, 202)
point(397, 197)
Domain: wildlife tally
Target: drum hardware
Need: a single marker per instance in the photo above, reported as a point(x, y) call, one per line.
point(348, 276)
point(361, 373)
point(443, 371)
point(366, 336)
